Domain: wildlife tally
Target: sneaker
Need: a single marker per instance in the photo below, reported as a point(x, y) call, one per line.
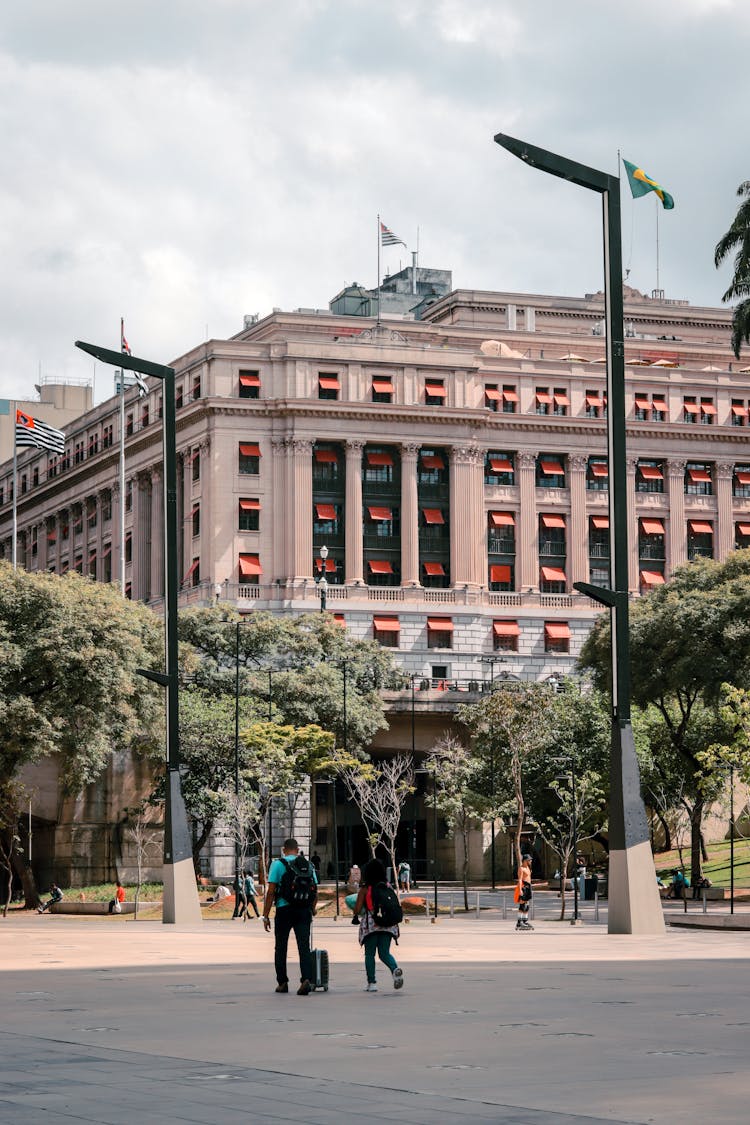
point(304, 988)
point(282, 987)
point(371, 987)
point(398, 978)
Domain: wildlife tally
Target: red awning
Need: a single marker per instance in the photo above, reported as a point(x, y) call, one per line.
point(195, 510)
point(249, 565)
point(107, 551)
point(553, 574)
point(561, 399)
point(543, 396)
point(51, 536)
point(599, 469)
point(601, 523)
point(379, 459)
point(325, 511)
point(701, 527)
point(330, 565)
point(699, 476)
point(190, 573)
point(249, 379)
point(739, 410)
point(250, 505)
point(743, 528)
point(691, 407)
point(501, 465)
point(249, 450)
point(652, 527)
point(708, 408)
point(386, 624)
point(551, 468)
point(92, 558)
point(433, 569)
point(380, 513)
point(432, 515)
point(553, 521)
point(380, 566)
point(435, 390)
point(652, 578)
point(440, 624)
point(557, 630)
point(382, 386)
point(502, 519)
point(651, 472)
point(328, 382)
point(642, 403)
point(499, 573)
point(493, 393)
point(510, 396)
point(742, 476)
point(506, 629)
point(340, 619)
point(326, 456)
point(593, 399)
point(659, 404)
point(432, 461)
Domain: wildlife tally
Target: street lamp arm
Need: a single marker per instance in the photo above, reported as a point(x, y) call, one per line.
point(122, 359)
point(560, 166)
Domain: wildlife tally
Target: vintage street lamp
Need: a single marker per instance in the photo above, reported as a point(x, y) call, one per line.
point(323, 581)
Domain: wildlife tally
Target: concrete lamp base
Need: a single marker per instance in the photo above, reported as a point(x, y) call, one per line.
point(181, 903)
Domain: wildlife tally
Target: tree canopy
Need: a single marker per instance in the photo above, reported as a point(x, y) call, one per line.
point(737, 241)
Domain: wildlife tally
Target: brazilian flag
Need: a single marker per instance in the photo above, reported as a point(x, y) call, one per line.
point(641, 184)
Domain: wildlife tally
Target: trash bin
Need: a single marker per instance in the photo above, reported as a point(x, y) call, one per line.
point(590, 885)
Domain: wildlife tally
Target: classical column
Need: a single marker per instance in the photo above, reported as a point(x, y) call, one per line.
point(724, 530)
point(578, 532)
point(677, 536)
point(409, 515)
point(157, 531)
point(117, 546)
point(278, 514)
point(527, 532)
point(302, 507)
point(353, 513)
point(633, 576)
point(99, 536)
point(141, 534)
point(184, 508)
point(467, 554)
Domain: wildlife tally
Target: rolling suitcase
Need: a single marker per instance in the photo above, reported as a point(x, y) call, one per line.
point(320, 967)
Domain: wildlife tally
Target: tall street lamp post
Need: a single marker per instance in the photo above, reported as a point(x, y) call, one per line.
point(492, 661)
point(323, 581)
point(634, 903)
point(181, 903)
point(731, 839)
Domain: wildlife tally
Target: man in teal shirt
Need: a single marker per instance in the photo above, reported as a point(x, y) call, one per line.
point(290, 916)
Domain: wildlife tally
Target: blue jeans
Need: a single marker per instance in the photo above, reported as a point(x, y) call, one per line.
point(381, 943)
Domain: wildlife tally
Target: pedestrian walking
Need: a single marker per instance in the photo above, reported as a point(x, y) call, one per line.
point(523, 893)
point(250, 893)
point(240, 901)
point(379, 914)
point(293, 888)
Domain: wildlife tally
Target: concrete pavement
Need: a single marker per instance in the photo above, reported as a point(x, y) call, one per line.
point(106, 1020)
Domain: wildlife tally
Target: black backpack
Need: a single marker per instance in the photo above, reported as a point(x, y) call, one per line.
point(386, 909)
point(298, 886)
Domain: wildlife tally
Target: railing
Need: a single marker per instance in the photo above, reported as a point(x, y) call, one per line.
point(501, 545)
point(651, 551)
point(599, 550)
point(551, 547)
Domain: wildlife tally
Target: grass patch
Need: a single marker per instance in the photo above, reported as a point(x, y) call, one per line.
point(716, 868)
point(103, 892)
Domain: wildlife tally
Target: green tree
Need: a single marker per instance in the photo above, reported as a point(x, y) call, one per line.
point(379, 791)
point(69, 650)
point(456, 773)
point(737, 241)
point(686, 639)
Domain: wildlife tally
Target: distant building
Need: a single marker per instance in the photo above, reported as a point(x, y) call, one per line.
point(59, 403)
point(408, 293)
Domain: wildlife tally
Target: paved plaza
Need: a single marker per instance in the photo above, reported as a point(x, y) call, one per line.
point(107, 1020)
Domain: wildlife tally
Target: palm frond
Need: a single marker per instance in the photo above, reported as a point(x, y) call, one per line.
point(740, 327)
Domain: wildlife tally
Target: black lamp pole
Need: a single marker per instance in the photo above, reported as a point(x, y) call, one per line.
point(180, 890)
point(731, 839)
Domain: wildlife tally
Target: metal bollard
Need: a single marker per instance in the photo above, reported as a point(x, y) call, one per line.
point(596, 905)
point(505, 905)
point(532, 910)
point(452, 906)
point(684, 901)
point(478, 907)
point(426, 906)
point(705, 901)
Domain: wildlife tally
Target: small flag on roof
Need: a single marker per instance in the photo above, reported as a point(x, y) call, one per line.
point(125, 349)
point(641, 184)
point(32, 432)
point(388, 238)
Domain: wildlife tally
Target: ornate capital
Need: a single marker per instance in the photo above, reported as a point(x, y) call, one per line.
point(410, 450)
point(157, 474)
point(467, 455)
point(577, 463)
point(676, 468)
point(526, 460)
point(354, 448)
point(632, 466)
point(301, 447)
point(724, 470)
point(279, 447)
point(205, 446)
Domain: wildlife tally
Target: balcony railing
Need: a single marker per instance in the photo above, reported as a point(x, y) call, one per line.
point(501, 545)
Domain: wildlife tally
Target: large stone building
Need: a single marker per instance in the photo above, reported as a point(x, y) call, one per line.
point(454, 466)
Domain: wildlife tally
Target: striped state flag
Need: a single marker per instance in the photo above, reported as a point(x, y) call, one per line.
point(32, 432)
point(125, 349)
point(388, 238)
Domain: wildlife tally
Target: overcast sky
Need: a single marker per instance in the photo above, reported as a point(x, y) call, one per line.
point(184, 162)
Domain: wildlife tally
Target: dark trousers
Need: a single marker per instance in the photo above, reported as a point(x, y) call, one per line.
point(299, 919)
point(253, 903)
point(240, 904)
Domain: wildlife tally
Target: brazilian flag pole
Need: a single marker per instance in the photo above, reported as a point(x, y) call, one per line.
point(641, 184)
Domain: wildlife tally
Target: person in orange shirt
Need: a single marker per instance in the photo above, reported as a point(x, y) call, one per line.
point(115, 904)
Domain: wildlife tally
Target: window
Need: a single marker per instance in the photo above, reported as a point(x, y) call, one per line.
point(196, 387)
point(196, 459)
point(93, 444)
point(431, 470)
point(499, 468)
point(543, 400)
point(328, 386)
point(35, 476)
point(326, 466)
point(505, 636)
point(556, 636)
point(434, 392)
point(250, 570)
point(77, 520)
point(659, 409)
point(708, 412)
point(160, 407)
point(595, 405)
point(550, 471)
point(552, 580)
point(501, 576)
point(382, 389)
point(378, 467)
point(128, 547)
point(597, 474)
point(642, 410)
point(249, 384)
point(65, 530)
point(179, 397)
point(386, 631)
point(51, 471)
point(651, 540)
point(326, 519)
point(560, 401)
point(439, 632)
point(249, 459)
point(598, 538)
point(107, 436)
point(690, 409)
point(381, 572)
point(501, 533)
point(700, 540)
point(91, 513)
point(381, 523)
point(552, 534)
point(193, 576)
point(249, 515)
point(128, 425)
point(649, 579)
point(92, 564)
point(698, 480)
point(129, 591)
point(741, 481)
point(129, 496)
point(434, 575)
point(738, 412)
point(196, 518)
point(492, 396)
point(145, 416)
point(433, 525)
point(106, 506)
point(741, 535)
point(649, 476)
point(510, 399)
point(79, 455)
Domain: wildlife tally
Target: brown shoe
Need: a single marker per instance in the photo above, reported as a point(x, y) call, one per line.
point(282, 987)
point(304, 988)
